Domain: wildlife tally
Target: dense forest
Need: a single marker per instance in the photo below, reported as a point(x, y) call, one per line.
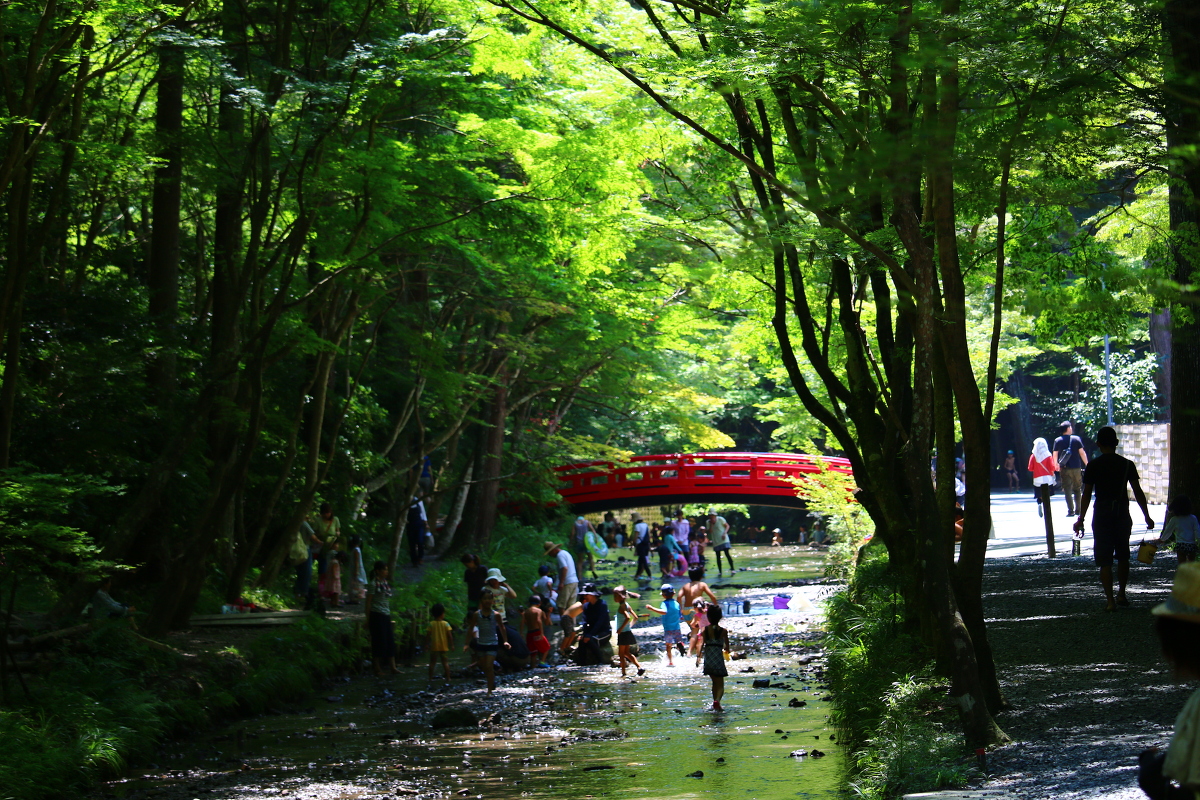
point(259, 256)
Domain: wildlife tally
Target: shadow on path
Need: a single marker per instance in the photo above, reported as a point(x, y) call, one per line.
point(1088, 689)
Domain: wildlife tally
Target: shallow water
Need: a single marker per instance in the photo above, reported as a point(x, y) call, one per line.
point(551, 733)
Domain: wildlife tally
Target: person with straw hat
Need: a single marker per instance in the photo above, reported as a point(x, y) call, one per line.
point(1174, 774)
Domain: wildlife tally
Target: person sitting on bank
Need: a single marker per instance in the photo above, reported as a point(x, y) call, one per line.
point(104, 607)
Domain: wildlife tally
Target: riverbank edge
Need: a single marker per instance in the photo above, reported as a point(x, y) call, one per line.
point(116, 697)
point(889, 705)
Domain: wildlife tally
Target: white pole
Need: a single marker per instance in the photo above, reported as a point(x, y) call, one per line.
point(1108, 380)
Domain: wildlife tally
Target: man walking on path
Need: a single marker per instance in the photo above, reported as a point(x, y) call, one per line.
point(1071, 457)
point(1111, 524)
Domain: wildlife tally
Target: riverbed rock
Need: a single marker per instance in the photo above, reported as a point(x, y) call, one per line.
point(796, 702)
point(696, 774)
point(601, 735)
point(798, 754)
point(762, 683)
point(454, 718)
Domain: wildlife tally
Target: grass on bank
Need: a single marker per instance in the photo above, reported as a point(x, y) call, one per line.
point(890, 708)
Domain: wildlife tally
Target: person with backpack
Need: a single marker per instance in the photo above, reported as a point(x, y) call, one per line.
point(1071, 458)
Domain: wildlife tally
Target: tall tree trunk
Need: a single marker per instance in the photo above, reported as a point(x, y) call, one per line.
point(1182, 33)
point(166, 203)
point(488, 491)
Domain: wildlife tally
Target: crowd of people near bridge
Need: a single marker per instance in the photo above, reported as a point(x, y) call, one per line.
point(564, 619)
point(681, 542)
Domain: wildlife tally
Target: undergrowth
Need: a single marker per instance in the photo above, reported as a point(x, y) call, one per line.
point(889, 706)
point(111, 699)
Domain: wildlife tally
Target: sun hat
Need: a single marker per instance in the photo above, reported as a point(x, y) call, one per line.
point(494, 573)
point(588, 589)
point(621, 590)
point(666, 587)
point(1184, 602)
point(548, 547)
point(636, 517)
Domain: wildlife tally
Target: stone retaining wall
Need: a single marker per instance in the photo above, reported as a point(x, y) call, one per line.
point(1148, 446)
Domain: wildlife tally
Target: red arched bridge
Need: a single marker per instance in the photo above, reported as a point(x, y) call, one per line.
point(758, 479)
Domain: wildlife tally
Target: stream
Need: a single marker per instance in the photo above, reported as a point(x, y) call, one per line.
point(557, 732)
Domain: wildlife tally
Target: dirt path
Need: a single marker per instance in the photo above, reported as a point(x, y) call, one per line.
point(1088, 689)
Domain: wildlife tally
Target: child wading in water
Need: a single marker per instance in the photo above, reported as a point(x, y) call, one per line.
point(625, 637)
point(491, 636)
point(670, 622)
point(535, 620)
point(716, 645)
point(439, 640)
point(379, 620)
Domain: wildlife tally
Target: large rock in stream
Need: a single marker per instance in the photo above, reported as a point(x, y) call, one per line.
point(454, 717)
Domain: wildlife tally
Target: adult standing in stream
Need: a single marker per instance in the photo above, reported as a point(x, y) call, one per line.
point(329, 531)
point(1107, 475)
point(718, 534)
point(579, 548)
point(682, 529)
point(568, 588)
point(641, 545)
point(475, 576)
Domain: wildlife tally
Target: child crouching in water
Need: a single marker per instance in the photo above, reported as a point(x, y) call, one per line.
point(716, 645)
point(439, 640)
point(625, 636)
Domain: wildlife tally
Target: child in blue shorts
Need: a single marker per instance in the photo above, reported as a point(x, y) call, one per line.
point(670, 621)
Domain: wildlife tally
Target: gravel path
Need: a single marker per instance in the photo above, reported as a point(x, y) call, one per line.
point(1088, 689)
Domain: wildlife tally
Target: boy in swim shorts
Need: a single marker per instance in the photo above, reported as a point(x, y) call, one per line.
point(535, 620)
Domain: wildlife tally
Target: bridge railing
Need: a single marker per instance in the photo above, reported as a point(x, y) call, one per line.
point(701, 470)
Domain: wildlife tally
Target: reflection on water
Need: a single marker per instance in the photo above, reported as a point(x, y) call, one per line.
point(554, 733)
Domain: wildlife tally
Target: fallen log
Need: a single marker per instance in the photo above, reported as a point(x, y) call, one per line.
point(47, 638)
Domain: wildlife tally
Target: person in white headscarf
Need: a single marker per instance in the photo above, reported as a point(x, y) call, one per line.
point(1043, 466)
